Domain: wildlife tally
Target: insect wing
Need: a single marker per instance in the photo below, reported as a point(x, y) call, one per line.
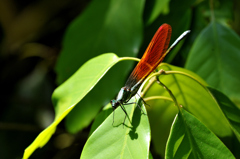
point(152, 57)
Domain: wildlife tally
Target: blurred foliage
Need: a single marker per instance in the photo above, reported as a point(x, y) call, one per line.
point(43, 42)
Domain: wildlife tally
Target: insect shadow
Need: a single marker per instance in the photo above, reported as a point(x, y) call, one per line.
point(134, 121)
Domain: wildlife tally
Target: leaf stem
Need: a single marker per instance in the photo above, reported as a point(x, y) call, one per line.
point(192, 77)
point(211, 4)
point(187, 75)
point(152, 80)
point(129, 58)
point(157, 97)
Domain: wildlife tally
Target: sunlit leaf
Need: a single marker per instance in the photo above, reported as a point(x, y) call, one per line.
point(104, 26)
point(107, 110)
point(192, 96)
point(116, 141)
point(67, 95)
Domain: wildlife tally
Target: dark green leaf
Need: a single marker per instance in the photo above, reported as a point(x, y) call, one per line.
point(215, 57)
point(189, 138)
point(150, 155)
point(230, 110)
point(107, 110)
point(180, 22)
point(117, 27)
point(154, 8)
point(105, 26)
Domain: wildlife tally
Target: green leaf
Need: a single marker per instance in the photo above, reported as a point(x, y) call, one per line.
point(150, 156)
point(161, 116)
point(192, 96)
point(223, 11)
point(230, 110)
point(91, 34)
point(189, 138)
point(154, 8)
point(67, 95)
point(180, 22)
point(215, 57)
point(107, 110)
point(104, 26)
point(116, 141)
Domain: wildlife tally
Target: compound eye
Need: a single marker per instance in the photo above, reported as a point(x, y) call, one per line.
point(113, 102)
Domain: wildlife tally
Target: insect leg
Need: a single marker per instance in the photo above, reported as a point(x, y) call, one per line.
point(137, 105)
point(113, 117)
point(143, 100)
point(125, 113)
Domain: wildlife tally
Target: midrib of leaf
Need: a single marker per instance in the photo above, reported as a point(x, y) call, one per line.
point(188, 135)
point(126, 136)
point(139, 141)
point(182, 139)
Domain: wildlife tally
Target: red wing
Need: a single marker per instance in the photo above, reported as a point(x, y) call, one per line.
point(152, 57)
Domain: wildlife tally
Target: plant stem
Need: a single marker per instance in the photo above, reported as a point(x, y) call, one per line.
point(170, 92)
point(157, 97)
